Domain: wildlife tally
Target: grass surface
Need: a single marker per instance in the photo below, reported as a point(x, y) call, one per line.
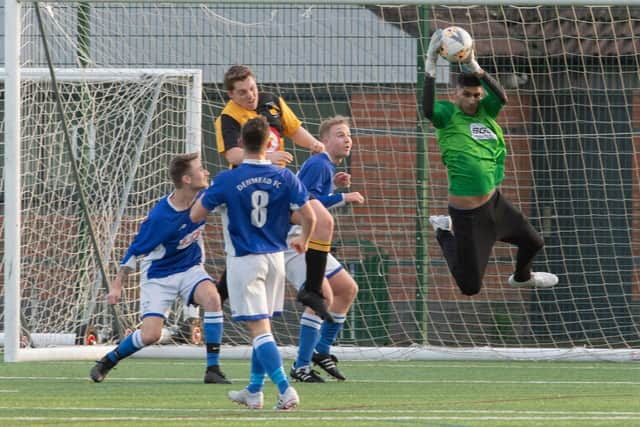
point(152, 392)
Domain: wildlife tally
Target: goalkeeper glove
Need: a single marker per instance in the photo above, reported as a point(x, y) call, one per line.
point(470, 65)
point(432, 53)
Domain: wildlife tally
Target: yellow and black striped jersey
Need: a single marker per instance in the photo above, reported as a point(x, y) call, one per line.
point(281, 119)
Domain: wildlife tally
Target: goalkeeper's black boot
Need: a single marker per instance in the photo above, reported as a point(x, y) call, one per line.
point(315, 302)
point(101, 369)
point(329, 363)
point(215, 376)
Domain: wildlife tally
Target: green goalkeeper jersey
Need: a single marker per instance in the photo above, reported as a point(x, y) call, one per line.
point(472, 147)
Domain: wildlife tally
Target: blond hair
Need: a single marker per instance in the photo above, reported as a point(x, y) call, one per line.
point(327, 124)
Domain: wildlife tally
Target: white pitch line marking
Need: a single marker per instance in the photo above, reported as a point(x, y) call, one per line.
point(506, 364)
point(338, 410)
point(395, 381)
point(262, 417)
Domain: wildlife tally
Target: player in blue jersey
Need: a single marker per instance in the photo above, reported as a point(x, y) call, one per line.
point(255, 200)
point(319, 175)
point(171, 249)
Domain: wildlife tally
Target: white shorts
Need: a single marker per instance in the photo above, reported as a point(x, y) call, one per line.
point(158, 295)
point(296, 267)
point(256, 286)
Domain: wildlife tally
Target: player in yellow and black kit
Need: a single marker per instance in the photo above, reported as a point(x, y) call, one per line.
point(282, 122)
point(245, 103)
point(473, 150)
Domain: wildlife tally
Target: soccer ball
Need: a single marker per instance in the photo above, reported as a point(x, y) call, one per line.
point(457, 44)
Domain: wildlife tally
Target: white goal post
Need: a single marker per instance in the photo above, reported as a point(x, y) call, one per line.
point(149, 73)
point(148, 114)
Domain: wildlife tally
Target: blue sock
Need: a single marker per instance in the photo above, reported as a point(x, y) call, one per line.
point(213, 336)
point(256, 381)
point(269, 356)
point(309, 335)
point(329, 332)
point(128, 346)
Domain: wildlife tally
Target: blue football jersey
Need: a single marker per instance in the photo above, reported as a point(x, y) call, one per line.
point(255, 201)
point(316, 174)
point(169, 242)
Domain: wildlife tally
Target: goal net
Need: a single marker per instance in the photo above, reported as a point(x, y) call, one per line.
point(571, 75)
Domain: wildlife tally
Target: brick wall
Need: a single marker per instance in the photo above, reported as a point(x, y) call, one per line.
point(383, 169)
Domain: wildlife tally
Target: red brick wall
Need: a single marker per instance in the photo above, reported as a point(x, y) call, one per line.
point(383, 169)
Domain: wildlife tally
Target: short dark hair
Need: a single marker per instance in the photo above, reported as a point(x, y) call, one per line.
point(255, 133)
point(236, 73)
point(179, 166)
point(466, 79)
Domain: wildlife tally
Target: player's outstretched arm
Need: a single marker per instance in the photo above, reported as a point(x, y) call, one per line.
point(342, 180)
point(429, 88)
point(280, 157)
point(432, 53)
point(198, 211)
point(354, 197)
point(303, 138)
point(234, 155)
point(495, 88)
point(471, 66)
point(115, 287)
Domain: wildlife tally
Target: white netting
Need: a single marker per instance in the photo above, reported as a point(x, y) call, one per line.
point(124, 128)
point(571, 73)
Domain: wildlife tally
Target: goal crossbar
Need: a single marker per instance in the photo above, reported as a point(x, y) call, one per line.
point(103, 74)
point(532, 3)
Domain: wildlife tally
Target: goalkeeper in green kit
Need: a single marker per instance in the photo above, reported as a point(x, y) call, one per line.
point(473, 151)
